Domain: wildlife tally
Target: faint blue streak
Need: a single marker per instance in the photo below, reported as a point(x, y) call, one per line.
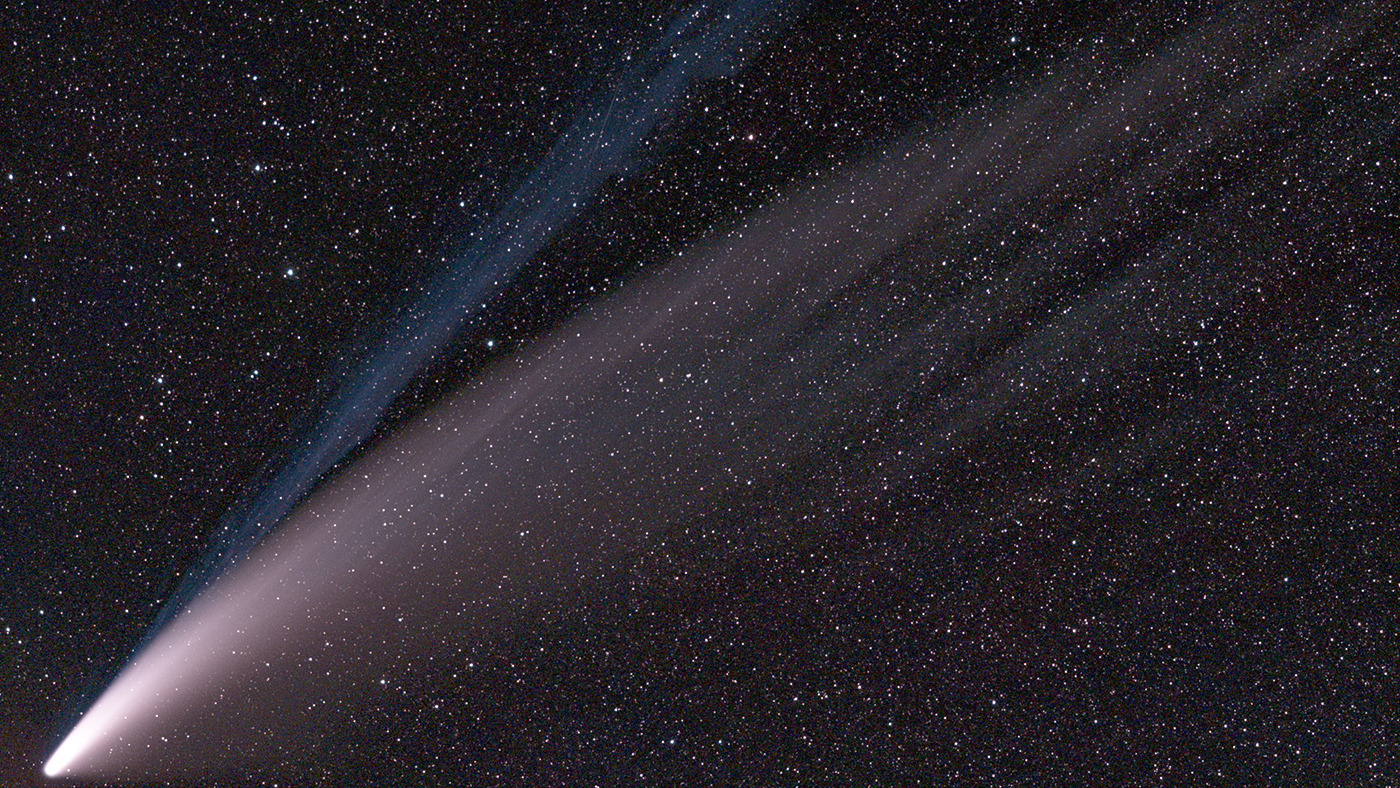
point(705, 40)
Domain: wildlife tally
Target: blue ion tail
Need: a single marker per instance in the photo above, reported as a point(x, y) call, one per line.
point(703, 41)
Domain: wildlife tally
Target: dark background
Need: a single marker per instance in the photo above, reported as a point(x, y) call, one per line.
point(209, 211)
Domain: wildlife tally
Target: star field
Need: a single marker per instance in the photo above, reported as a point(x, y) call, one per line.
point(1008, 393)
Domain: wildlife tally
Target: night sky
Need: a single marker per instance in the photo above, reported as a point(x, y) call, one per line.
point(752, 393)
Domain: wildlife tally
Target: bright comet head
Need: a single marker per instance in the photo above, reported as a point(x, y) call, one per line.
point(78, 740)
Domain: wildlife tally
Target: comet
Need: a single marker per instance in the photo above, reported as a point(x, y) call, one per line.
point(748, 357)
